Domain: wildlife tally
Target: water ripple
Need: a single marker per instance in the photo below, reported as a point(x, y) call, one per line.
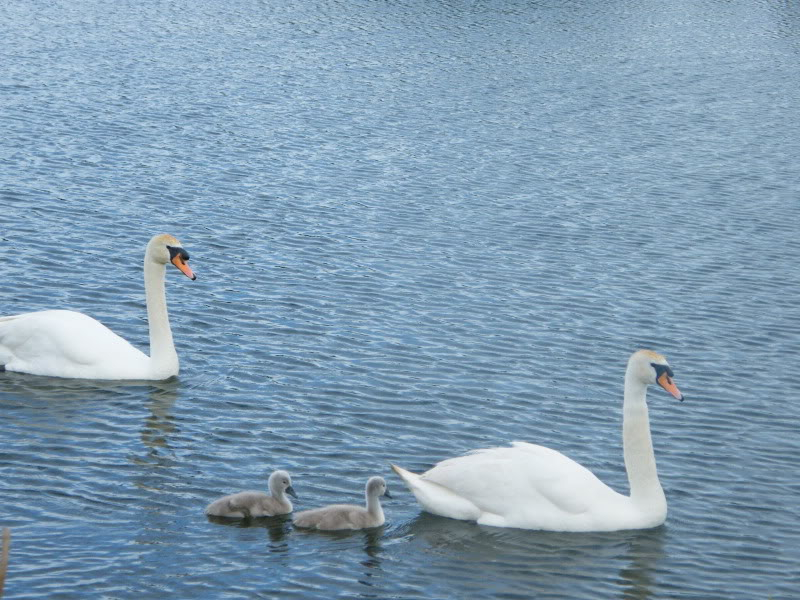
point(418, 228)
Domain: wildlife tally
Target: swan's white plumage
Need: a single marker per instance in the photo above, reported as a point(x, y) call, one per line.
point(64, 343)
point(533, 487)
point(487, 485)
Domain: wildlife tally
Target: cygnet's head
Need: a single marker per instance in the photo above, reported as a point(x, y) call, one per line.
point(651, 367)
point(164, 248)
point(281, 481)
point(376, 486)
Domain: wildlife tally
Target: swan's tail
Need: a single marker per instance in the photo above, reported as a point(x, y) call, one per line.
point(406, 476)
point(5, 354)
point(437, 499)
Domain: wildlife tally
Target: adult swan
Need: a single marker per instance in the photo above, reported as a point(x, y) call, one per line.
point(532, 487)
point(64, 343)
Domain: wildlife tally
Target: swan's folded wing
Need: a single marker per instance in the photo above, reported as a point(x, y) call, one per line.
point(62, 343)
point(521, 482)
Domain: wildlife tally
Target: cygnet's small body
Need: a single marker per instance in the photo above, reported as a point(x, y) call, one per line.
point(348, 516)
point(257, 504)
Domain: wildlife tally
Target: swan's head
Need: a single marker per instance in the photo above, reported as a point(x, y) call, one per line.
point(165, 248)
point(281, 481)
point(651, 367)
point(376, 486)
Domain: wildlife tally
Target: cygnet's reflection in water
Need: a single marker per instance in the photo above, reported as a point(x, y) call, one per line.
point(280, 532)
point(278, 528)
point(561, 561)
point(371, 541)
point(372, 537)
point(373, 550)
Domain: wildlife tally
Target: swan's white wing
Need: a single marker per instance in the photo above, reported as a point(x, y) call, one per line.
point(522, 486)
point(65, 343)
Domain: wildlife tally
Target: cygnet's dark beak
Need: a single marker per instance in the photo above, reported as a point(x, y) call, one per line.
point(386, 493)
point(290, 491)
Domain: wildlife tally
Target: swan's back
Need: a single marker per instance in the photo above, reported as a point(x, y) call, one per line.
point(66, 343)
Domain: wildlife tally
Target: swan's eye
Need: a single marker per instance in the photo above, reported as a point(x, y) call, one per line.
point(173, 252)
point(661, 369)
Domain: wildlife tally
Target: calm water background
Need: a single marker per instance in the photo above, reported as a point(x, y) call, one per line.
point(419, 227)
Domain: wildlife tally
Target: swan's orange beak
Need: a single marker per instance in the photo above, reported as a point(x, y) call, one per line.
point(665, 381)
point(184, 268)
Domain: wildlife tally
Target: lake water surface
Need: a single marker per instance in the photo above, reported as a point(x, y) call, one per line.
point(419, 227)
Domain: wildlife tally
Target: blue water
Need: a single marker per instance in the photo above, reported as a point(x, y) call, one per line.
point(418, 228)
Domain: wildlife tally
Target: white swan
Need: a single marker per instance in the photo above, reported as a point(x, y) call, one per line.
point(257, 504)
point(533, 487)
point(64, 343)
point(348, 516)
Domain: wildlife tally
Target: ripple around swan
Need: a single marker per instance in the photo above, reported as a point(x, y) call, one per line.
point(418, 228)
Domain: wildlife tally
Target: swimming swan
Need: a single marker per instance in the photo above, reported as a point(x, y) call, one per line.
point(65, 343)
point(348, 516)
point(257, 504)
point(533, 487)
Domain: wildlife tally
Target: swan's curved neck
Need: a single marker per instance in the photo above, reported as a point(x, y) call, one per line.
point(163, 356)
point(640, 462)
point(374, 506)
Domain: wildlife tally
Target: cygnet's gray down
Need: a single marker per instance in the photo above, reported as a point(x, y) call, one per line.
point(348, 516)
point(257, 504)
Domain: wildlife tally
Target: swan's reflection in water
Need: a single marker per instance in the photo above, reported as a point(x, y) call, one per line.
point(160, 424)
point(626, 560)
point(645, 551)
point(67, 391)
point(71, 403)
